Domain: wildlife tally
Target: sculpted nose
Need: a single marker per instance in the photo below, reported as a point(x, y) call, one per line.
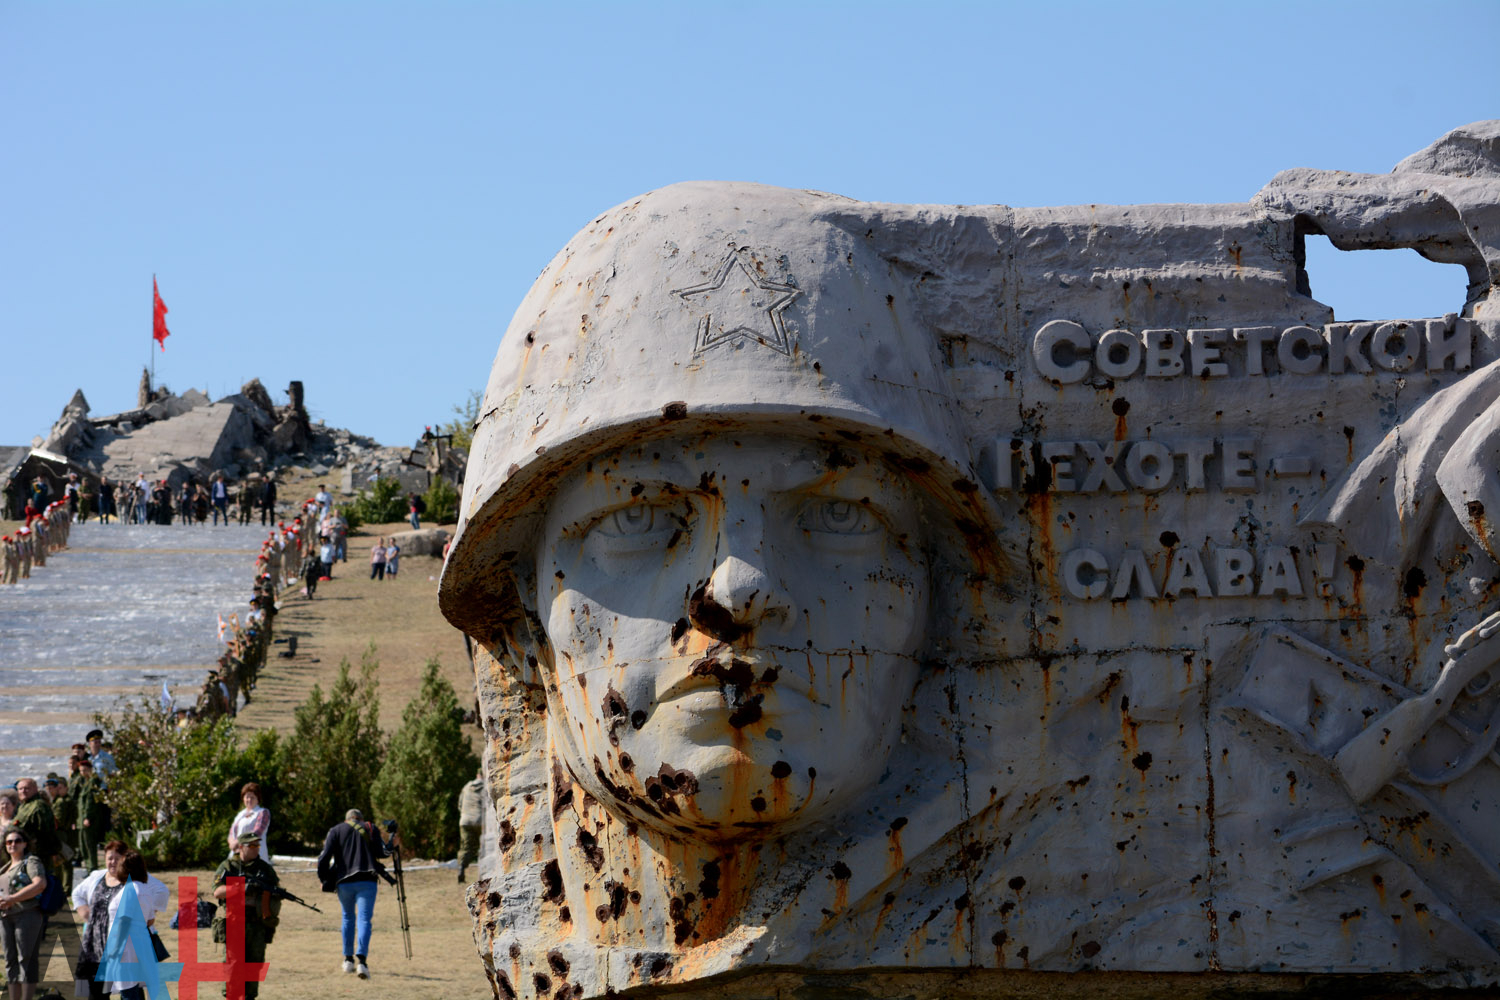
point(738, 597)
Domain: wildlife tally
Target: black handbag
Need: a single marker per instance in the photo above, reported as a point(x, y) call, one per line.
point(162, 954)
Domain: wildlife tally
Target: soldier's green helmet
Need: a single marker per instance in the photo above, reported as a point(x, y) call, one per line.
point(705, 306)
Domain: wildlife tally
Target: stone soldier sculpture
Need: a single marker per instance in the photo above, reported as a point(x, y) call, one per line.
point(870, 587)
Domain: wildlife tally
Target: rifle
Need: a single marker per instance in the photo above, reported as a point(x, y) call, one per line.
point(400, 880)
point(278, 892)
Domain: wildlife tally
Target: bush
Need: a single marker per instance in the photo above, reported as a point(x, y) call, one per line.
point(183, 783)
point(382, 503)
point(442, 502)
point(427, 765)
point(331, 758)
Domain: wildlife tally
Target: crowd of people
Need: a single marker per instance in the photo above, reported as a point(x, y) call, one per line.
point(45, 532)
point(54, 826)
point(146, 501)
point(49, 828)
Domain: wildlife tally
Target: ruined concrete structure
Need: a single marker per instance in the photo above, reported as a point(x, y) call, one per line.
point(188, 436)
point(985, 593)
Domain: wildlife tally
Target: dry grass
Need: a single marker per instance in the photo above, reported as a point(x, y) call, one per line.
point(304, 959)
point(350, 613)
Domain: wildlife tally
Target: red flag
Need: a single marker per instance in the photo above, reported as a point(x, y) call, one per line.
point(159, 331)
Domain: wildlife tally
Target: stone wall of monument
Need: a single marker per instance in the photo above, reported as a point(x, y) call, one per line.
point(1060, 590)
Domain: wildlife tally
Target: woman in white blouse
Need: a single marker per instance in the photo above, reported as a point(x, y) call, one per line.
point(254, 818)
point(97, 900)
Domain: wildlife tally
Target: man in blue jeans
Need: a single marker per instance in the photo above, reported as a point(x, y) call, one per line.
point(349, 865)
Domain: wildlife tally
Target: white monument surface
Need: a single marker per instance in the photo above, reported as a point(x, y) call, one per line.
point(879, 591)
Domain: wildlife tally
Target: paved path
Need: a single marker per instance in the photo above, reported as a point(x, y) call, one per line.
point(122, 610)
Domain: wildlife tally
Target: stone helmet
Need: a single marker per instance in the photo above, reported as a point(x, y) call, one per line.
point(696, 307)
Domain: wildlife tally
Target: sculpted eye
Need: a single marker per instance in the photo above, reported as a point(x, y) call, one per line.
point(635, 520)
point(837, 517)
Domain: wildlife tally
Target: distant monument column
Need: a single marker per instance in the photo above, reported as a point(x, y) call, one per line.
point(143, 394)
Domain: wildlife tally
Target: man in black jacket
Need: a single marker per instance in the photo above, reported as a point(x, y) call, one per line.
point(268, 501)
point(349, 865)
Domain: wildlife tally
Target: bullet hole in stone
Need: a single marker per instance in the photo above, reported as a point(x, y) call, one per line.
point(565, 915)
point(675, 410)
point(493, 899)
point(637, 719)
point(637, 489)
point(769, 675)
point(840, 870)
point(1349, 433)
point(506, 989)
point(1414, 582)
point(1120, 406)
point(543, 983)
point(781, 769)
point(528, 798)
point(557, 962)
point(1142, 761)
point(1355, 564)
point(890, 898)
point(713, 618)
point(515, 950)
point(758, 804)
point(1090, 949)
point(507, 835)
point(678, 781)
point(562, 790)
point(660, 966)
point(552, 883)
point(962, 902)
point(1007, 906)
point(682, 928)
point(1018, 883)
point(1169, 539)
point(898, 823)
point(999, 938)
point(812, 772)
point(626, 763)
point(747, 714)
point(591, 850)
point(679, 629)
point(618, 895)
point(1475, 508)
point(635, 896)
point(536, 839)
point(709, 886)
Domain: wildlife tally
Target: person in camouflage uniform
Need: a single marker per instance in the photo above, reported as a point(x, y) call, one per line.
point(89, 814)
point(262, 909)
point(63, 809)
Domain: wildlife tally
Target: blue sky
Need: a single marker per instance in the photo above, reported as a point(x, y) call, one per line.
point(357, 195)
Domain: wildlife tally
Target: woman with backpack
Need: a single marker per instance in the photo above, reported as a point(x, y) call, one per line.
point(23, 877)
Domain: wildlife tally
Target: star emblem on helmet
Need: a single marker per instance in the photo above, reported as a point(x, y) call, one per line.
point(737, 304)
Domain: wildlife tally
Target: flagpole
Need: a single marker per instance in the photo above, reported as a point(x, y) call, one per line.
point(152, 348)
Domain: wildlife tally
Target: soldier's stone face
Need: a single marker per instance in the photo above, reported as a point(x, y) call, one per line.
point(733, 625)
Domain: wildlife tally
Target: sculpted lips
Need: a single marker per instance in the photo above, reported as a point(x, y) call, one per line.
point(735, 678)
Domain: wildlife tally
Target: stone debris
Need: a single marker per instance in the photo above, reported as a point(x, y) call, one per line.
point(184, 436)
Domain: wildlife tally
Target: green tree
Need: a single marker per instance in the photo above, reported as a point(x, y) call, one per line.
point(428, 763)
point(465, 415)
point(181, 784)
point(333, 754)
point(442, 502)
point(382, 503)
